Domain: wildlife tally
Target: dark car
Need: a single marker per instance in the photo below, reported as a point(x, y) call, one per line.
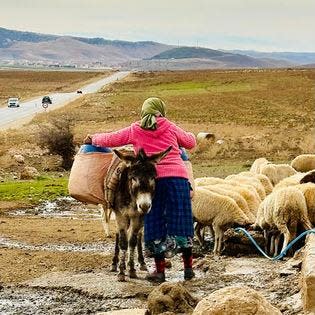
point(47, 100)
point(79, 92)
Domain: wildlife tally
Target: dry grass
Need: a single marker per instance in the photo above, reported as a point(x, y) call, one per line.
point(257, 113)
point(28, 84)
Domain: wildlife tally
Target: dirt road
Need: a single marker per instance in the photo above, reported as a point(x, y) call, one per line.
point(10, 117)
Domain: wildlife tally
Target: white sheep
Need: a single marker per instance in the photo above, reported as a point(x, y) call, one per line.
point(250, 195)
point(237, 197)
point(254, 182)
point(220, 212)
point(277, 172)
point(258, 164)
point(282, 210)
point(290, 181)
point(265, 181)
point(248, 186)
point(308, 191)
point(247, 192)
point(204, 181)
point(304, 162)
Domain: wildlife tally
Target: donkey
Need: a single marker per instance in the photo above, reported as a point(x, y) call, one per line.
point(132, 200)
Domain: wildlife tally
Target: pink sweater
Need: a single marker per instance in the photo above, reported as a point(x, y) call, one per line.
point(153, 141)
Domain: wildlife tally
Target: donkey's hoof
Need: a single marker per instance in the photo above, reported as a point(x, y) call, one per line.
point(113, 268)
point(143, 267)
point(133, 274)
point(121, 278)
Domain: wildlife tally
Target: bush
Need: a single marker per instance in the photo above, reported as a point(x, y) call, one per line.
point(57, 137)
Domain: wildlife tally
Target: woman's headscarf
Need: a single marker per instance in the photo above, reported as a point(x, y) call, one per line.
point(151, 108)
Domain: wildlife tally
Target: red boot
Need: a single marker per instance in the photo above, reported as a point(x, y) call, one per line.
point(158, 276)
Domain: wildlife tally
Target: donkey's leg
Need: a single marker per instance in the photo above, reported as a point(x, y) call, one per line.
point(135, 227)
point(140, 251)
point(123, 245)
point(105, 213)
point(116, 254)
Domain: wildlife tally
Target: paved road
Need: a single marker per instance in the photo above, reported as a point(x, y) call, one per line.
point(12, 117)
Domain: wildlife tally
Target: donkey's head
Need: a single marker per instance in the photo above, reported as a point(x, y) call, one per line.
point(140, 174)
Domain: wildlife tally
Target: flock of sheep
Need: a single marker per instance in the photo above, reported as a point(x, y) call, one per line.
point(277, 198)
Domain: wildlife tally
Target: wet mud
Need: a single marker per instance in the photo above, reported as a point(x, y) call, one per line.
point(70, 274)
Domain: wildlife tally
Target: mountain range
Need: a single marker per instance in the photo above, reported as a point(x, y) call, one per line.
point(29, 49)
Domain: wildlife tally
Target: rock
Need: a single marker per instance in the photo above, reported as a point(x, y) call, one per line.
point(308, 275)
point(129, 311)
point(29, 172)
point(202, 136)
point(235, 300)
point(171, 298)
point(19, 158)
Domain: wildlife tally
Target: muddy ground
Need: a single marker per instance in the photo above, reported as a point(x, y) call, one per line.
point(55, 259)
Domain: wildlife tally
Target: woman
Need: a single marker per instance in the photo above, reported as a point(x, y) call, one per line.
point(168, 227)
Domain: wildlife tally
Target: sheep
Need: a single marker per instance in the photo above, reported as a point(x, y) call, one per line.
point(249, 187)
point(249, 181)
point(308, 191)
point(247, 191)
point(204, 181)
point(265, 181)
point(308, 178)
point(277, 172)
point(237, 197)
point(290, 181)
point(304, 162)
point(258, 164)
point(251, 197)
point(220, 212)
point(282, 210)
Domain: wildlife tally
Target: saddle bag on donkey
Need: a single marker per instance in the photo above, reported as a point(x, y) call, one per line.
point(88, 172)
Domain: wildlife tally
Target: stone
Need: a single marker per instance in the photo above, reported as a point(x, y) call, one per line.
point(308, 275)
point(170, 298)
point(19, 158)
point(129, 311)
point(235, 300)
point(29, 172)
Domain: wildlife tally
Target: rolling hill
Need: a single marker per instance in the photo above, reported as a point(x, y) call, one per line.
point(33, 49)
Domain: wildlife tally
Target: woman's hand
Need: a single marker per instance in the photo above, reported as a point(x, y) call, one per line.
point(87, 139)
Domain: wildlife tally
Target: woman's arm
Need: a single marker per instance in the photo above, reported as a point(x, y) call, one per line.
point(185, 139)
point(112, 139)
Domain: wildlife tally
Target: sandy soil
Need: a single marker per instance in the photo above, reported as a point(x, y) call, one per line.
point(54, 259)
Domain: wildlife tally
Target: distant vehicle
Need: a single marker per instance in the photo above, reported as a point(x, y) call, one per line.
point(13, 102)
point(46, 99)
point(79, 92)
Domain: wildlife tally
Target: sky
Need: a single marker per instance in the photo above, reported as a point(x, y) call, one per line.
point(264, 25)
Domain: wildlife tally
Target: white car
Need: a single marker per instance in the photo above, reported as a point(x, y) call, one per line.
point(13, 102)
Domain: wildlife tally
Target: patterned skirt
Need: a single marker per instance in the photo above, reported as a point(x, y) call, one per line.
point(168, 227)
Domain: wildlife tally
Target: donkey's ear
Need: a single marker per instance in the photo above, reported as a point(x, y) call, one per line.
point(142, 155)
point(127, 158)
point(156, 158)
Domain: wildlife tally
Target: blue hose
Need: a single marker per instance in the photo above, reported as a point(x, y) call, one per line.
point(284, 252)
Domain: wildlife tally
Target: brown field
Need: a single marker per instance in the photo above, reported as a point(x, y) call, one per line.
point(256, 112)
point(29, 84)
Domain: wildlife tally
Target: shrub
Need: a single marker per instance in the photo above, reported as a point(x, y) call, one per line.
point(57, 137)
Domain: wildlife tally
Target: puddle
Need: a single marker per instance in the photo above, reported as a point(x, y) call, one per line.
point(43, 301)
point(65, 207)
point(93, 247)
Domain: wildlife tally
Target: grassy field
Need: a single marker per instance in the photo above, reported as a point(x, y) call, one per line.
point(256, 113)
point(28, 84)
